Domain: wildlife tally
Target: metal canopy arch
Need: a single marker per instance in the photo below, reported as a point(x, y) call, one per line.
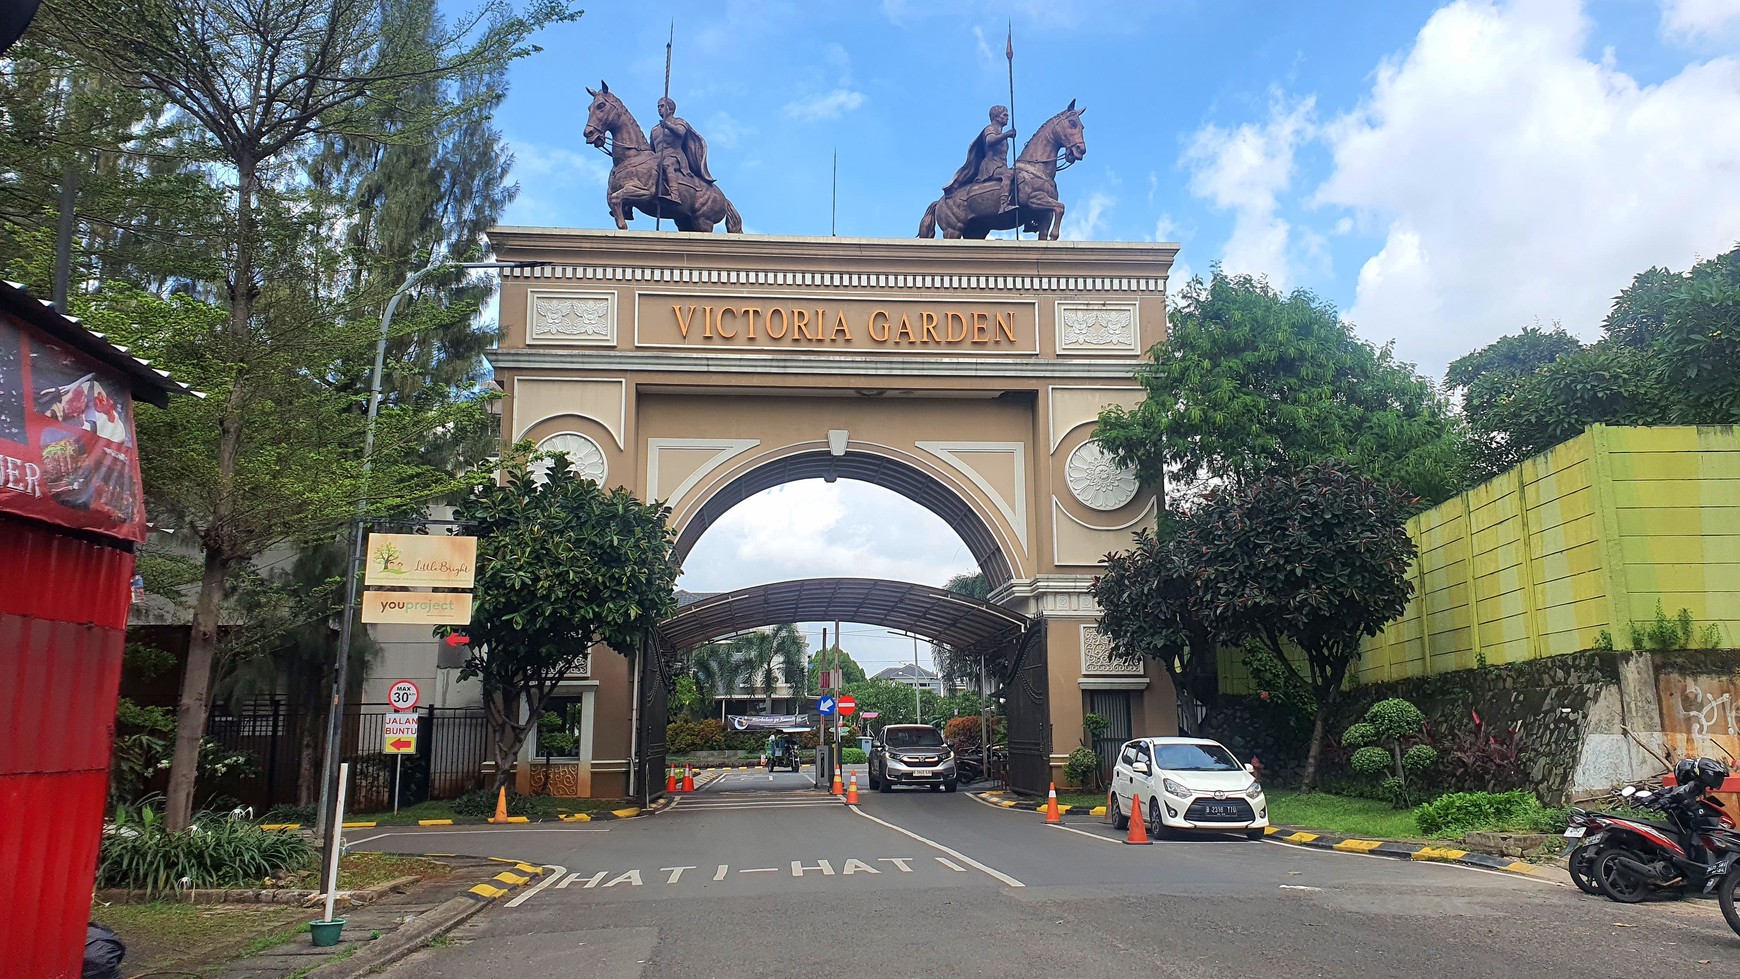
point(892, 474)
point(924, 610)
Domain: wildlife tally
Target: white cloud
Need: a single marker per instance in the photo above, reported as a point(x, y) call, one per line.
point(1515, 181)
point(830, 105)
point(558, 166)
point(1085, 222)
point(725, 131)
point(1693, 20)
point(985, 53)
point(1245, 170)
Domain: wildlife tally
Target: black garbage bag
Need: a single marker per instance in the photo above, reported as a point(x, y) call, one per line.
point(103, 953)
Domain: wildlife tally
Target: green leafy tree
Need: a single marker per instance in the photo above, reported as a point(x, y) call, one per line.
point(1314, 558)
point(1151, 606)
point(1382, 750)
point(1669, 355)
point(719, 669)
point(775, 655)
point(1248, 378)
point(960, 667)
point(822, 660)
point(254, 84)
point(562, 566)
point(893, 703)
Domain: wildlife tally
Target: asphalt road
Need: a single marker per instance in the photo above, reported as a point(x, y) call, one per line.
point(766, 876)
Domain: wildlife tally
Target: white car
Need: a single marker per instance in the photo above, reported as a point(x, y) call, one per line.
point(1186, 783)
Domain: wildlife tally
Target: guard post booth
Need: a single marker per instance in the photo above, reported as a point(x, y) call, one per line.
point(71, 514)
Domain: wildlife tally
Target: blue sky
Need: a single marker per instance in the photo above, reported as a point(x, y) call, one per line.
point(1443, 173)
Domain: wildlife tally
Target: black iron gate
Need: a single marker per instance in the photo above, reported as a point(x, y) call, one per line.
point(1029, 716)
point(1115, 707)
point(655, 688)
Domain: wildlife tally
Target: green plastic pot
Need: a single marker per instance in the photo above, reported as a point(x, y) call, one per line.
point(326, 932)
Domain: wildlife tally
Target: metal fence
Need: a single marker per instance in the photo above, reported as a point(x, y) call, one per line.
point(452, 746)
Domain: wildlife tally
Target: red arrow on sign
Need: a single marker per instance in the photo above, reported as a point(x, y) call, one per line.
point(456, 639)
point(401, 744)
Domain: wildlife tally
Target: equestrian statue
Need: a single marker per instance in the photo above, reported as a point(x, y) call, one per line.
point(986, 194)
point(666, 178)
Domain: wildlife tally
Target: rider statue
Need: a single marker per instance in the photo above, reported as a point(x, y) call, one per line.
point(680, 149)
point(988, 157)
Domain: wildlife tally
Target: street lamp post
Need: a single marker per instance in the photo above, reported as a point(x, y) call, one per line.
point(340, 670)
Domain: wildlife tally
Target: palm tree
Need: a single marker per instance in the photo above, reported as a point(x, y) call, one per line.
point(775, 656)
point(719, 668)
point(955, 667)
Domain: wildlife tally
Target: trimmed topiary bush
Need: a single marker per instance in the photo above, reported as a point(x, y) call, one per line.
point(1380, 738)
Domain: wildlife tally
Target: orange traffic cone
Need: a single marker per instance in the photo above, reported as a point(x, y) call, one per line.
point(688, 779)
point(852, 791)
point(837, 787)
point(1138, 828)
point(670, 779)
point(500, 806)
point(1051, 813)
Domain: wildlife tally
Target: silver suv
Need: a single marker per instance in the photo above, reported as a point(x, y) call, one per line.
point(912, 754)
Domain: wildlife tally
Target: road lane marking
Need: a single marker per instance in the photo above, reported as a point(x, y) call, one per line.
point(590, 882)
point(1083, 832)
point(969, 861)
point(760, 870)
point(945, 861)
point(854, 865)
point(632, 877)
point(549, 878)
point(798, 867)
point(675, 872)
point(900, 862)
point(720, 873)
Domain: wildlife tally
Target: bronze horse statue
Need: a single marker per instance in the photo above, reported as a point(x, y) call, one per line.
point(978, 209)
point(635, 174)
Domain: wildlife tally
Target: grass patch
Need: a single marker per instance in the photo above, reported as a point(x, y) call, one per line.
point(1080, 800)
point(162, 937)
point(359, 870)
point(1341, 815)
point(540, 806)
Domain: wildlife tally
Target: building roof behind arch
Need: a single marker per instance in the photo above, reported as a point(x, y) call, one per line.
point(923, 610)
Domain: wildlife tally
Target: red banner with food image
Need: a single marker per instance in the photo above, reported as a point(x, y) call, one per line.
point(67, 449)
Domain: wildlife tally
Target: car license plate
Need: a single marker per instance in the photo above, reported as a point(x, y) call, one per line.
point(1575, 832)
point(1222, 811)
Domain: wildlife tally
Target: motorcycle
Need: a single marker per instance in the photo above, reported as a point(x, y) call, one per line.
point(1593, 830)
point(1692, 851)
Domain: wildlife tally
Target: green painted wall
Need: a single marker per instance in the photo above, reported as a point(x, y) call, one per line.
point(1583, 538)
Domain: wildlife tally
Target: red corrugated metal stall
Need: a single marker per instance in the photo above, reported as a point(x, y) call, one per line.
point(71, 512)
point(63, 618)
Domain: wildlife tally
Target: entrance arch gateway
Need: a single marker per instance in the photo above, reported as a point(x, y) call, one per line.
point(965, 375)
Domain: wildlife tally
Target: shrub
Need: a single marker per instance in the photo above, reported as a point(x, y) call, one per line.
point(962, 733)
point(289, 814)
point(1478, 759)
point(1679, 632)
point(1467, 812)
point(1082, 768)
point(138, 852)
point(1380, 737)
point(854, 756)
point(481, 805)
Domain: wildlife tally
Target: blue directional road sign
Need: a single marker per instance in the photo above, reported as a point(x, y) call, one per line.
point(826, 705)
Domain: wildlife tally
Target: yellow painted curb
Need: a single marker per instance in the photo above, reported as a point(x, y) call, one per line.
point(513, 860)
point(514, 879)
point(1300, 837)
point(1063, 809)
point(1006, 804)
point(1097, 811)
point(1358, 846)
point(625, 813)
point(484, 890)
point(526, 868)
point(519, 819)
point(578, 817)
point(284, 826)
point(434, 822)
point(1522, 868)
point(1437, 853)
point(1270, 831)
point(359, 825)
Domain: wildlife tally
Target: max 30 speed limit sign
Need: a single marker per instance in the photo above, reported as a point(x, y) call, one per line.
point(403, 695)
